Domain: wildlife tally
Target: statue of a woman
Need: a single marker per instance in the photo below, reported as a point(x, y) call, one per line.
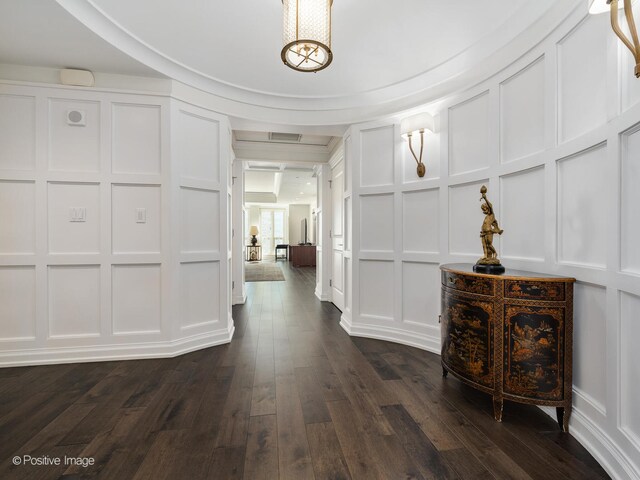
point(490, 262)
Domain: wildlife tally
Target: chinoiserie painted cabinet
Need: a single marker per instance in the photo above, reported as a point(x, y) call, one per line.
point(509, 335)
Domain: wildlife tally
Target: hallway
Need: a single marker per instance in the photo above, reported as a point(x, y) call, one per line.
point(291, 397)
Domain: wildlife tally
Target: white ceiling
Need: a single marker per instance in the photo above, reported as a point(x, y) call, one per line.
point(298, 186)
point(376, 43)
point(42, 33)
point(289, 184)
point(388, 56)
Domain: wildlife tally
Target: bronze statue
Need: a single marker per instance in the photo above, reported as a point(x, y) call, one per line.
point(490, 262)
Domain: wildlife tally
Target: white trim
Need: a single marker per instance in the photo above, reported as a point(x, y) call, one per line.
point(102, 353)
point(322, 298)
point(239, 299)
point(605, 450)
point(390, 334)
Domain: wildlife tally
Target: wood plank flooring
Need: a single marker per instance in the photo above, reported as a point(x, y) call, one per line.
point(291, 397)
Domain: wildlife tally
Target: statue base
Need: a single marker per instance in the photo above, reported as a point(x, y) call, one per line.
point(490, 269)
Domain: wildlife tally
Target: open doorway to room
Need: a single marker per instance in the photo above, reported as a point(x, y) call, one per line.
point(281, 201)
point(281, 184)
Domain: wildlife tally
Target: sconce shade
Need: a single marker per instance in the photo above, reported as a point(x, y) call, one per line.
point(253, 230)
point(307, 34)
point(415, 123)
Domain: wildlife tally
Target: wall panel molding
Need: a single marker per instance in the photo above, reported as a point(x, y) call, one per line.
point(568, 205)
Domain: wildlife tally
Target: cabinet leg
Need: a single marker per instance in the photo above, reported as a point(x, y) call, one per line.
point(563, 418)
point(497, 409)
point(444, 372)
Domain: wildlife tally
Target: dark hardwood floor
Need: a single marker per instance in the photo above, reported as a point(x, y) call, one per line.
point(292, 397)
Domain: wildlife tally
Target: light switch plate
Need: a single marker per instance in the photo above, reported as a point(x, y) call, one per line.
point(77, 214)
point(141, 215)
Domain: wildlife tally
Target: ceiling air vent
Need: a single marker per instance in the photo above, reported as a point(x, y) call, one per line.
point(285, 137)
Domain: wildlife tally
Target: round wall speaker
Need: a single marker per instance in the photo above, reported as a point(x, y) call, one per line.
point(76, 117)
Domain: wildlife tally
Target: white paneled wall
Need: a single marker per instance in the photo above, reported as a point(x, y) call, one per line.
point(469, 135)
point(555, 139)
point(201, 154)
point(112, 245)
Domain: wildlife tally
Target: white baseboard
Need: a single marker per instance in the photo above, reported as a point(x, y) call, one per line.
point(102, 353)
point(322, 297)
point(603, 448)
point(239, 299)
point(390, 334)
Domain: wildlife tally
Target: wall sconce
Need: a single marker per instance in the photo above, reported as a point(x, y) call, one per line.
point(612, 6)
point(417, 124)
point(253, 231)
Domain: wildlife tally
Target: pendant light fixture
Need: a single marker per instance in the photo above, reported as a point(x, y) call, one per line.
point(307, 34)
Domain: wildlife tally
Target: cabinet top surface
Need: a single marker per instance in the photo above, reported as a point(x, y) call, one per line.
point(467, 269)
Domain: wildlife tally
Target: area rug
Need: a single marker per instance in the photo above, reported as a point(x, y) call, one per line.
point(263, 272)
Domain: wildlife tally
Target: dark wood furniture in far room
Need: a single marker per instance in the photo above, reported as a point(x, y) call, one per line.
point(510, 335)
point(302, 255)
point(285, 247)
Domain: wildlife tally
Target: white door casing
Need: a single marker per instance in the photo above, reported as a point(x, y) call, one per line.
point(337, 235)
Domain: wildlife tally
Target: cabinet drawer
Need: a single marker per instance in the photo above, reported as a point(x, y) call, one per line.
point(468, 283)
point(523, 289)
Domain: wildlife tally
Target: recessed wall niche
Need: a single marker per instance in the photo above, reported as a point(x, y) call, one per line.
point(18, 214)
point(135, 211)
point(74, 147)
point(469, 135)
point(135, 146)
point(17, 303)
point(74, 217)
point(17, 132)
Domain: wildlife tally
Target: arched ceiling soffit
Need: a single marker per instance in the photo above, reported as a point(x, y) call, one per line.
point(388, 56)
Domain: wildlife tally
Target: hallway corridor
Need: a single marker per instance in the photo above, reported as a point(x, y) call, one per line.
point(292, 397)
